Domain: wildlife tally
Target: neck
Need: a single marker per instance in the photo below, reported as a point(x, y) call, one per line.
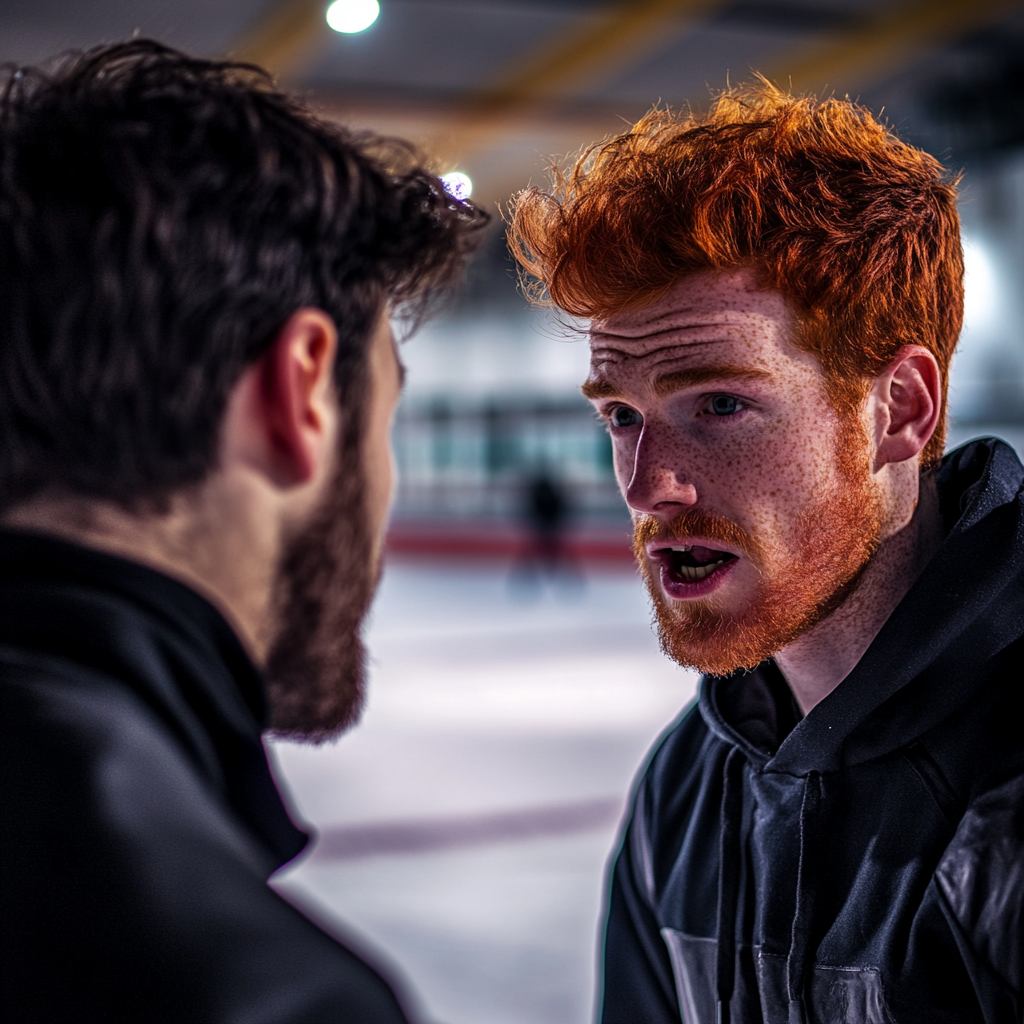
point(184, 543)
point(817, 662)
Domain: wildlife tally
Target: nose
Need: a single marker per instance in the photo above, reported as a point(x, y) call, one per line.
point(658, 480)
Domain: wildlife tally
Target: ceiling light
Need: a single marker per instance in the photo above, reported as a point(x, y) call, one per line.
point(350, 16)
point(457, 185)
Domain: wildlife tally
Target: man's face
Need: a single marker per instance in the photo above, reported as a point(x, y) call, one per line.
point(316, 666)
point(752, 500)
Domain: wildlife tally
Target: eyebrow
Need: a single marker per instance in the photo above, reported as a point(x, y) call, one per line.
point(667, 383)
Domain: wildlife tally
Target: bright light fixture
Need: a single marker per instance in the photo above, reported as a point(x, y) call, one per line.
point(457, 185)
point(352, 16)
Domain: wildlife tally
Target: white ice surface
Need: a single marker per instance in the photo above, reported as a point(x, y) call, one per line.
point(487, 698)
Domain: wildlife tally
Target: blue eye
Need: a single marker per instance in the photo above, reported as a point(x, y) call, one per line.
point(725, 405)
point(622, 416)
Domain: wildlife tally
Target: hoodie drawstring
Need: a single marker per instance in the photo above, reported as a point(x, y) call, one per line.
point(728, 879)
point(729, 863)
point(797, 963)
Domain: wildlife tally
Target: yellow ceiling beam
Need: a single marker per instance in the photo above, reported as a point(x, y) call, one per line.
point(616, 38)
point(285, 38)
point(884, 45)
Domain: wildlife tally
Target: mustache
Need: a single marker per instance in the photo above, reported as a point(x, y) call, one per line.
point(696, 522)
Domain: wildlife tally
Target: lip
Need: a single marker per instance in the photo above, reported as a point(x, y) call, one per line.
point(660, 543)
point(688, 590)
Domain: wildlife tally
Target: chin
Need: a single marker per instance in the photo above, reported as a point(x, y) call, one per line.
point(316, 683)
point(701, 635)
point(716, 645)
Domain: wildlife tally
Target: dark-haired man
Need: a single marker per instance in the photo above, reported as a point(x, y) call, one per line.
point(197, 377)
point(835, 834)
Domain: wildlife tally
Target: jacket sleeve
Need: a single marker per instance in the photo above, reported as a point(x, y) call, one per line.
point(637, 983)
point(981, 880)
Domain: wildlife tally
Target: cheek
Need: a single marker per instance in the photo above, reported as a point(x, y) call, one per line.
point(384, 484)
point(379, 467)
point(796, 471)
point(765, 477)
point(623, 459)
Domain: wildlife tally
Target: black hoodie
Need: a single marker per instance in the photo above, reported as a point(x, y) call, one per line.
point(864, 864)
point(139, 819)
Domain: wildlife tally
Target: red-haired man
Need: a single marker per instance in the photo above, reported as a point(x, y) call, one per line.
point(835, 832)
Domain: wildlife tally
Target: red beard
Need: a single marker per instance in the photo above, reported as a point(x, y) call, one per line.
point(800, 585)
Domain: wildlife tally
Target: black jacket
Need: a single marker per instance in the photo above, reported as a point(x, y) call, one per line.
point(863, 864)
point(139, 819)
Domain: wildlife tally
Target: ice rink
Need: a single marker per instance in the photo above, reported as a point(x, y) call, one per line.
point(465, 824)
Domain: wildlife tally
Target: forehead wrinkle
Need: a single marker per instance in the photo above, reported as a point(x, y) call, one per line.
point(643, 335)
point(665, 352)
point(726, 319)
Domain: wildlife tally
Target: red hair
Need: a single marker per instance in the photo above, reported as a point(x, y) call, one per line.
point(858, 229)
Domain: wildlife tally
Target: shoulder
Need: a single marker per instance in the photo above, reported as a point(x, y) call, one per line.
point(115, 829)
point(679, 758)
point(60, 712)
point(677, 797)
point(681, 743)
point(91, 766)
point(981, 876)
point(47, 702)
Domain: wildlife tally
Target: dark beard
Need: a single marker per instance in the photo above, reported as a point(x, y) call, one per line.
point(316, 666)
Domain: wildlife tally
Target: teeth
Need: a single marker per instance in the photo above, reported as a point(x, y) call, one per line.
point(700, 572)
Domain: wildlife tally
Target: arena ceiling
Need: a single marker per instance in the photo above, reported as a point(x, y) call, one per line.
point(497, 87)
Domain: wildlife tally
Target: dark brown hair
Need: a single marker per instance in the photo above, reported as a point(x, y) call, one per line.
point(161, 217)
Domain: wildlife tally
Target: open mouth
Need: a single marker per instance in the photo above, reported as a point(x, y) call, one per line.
point(691, 563)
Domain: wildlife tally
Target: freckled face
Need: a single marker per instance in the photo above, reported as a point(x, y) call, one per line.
point(751, 497)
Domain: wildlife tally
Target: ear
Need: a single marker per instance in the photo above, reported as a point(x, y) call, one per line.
point(285, 418)
point(906, 399)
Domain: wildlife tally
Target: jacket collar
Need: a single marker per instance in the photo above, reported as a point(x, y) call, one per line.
point(164, 642)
